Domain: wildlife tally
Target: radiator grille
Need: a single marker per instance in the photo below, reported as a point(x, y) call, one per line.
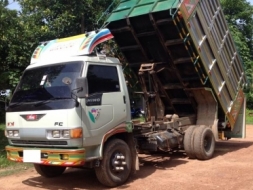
point(39, 142)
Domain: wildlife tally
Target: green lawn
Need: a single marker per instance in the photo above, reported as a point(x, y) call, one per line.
point(3, 142)
point(249, 116)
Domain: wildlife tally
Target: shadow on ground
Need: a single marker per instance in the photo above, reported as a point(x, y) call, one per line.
point(74, 179)
point(224, 147)
point(86, 179)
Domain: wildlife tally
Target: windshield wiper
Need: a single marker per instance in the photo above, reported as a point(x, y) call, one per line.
point(15, 104)
point(21, 101)
point(49, 100)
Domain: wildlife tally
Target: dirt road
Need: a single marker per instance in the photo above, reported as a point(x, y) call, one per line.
point(230, 169)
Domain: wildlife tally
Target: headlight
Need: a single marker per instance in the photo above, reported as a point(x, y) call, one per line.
point(65, 133)
point(16, 133)
point(56, 134)
point(12, 133)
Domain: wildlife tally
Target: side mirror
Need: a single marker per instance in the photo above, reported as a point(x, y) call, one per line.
point(81, 87)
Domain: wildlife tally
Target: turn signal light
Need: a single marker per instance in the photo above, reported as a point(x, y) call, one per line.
point(76, 133)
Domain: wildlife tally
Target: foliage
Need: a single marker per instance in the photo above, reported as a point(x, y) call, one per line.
point(249, 116)
point(11, 58)
point(239, 13)
point(57, 19)
point(3, 142)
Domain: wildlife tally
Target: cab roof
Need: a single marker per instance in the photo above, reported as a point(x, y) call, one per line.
point(83, 44)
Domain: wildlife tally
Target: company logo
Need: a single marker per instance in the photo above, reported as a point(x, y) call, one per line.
point(58, 124)
point(10, 124)
point(32, 117)
point(94, 114)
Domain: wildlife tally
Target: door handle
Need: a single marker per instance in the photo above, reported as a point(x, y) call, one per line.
point(124, 99)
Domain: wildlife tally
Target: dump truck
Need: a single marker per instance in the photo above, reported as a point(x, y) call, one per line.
point(71, 107)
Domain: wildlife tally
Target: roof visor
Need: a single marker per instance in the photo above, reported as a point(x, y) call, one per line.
point(82, 44)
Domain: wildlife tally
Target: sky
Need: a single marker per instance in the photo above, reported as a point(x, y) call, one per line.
point(15, 5)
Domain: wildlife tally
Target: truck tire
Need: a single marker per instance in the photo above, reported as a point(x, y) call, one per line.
point(204, 143)
point(49, 171)
point(115, 166)
point(188, 141)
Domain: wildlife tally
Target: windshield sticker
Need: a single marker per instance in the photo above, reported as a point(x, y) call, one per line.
point(43, 80)
point(94, 114)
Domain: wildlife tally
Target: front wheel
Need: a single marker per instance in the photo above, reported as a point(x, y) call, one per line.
point(115, 167)
point(49, 171)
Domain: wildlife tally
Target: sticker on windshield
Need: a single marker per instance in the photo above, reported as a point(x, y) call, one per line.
point(94, 114)
point(43, 80)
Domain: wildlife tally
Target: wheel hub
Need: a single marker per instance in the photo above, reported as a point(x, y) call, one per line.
point(119, 162)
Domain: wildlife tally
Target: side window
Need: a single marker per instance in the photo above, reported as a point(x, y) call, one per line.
point(102, 79)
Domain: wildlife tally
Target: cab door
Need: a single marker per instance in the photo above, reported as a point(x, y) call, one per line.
point(105, 106)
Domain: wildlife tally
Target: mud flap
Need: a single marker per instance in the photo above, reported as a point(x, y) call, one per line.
point(135, 158)
point(215, 130)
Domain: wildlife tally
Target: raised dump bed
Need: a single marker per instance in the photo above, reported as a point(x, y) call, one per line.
point(184, 56)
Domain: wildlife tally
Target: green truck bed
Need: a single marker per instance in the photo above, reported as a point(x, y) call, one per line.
point(177, 47)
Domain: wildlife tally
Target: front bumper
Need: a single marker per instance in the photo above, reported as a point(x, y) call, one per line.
point(50, 156)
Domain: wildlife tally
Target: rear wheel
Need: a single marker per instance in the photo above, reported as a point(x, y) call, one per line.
point(115, 167)
point(188, 141)
point(204, 143)
point(49, 171)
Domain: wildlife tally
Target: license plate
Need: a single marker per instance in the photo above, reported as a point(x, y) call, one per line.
point(32, 156)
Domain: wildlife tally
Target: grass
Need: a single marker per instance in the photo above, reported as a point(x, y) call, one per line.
point(3, 142)
point(8, 167)
point(249, 116)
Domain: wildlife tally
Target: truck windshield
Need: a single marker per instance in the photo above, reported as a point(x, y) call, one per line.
point(47, 82)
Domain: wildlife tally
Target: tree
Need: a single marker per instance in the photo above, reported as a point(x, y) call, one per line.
point(11, 52)
point(63, 18)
